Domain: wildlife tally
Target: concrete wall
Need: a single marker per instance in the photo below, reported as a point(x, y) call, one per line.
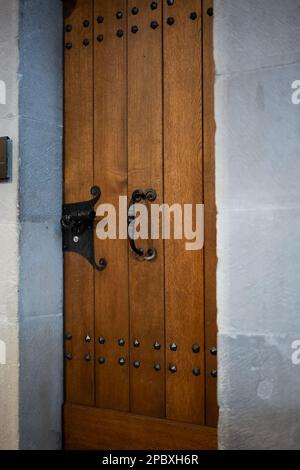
point(257, 54)
point(41, 285)
point(9, 354)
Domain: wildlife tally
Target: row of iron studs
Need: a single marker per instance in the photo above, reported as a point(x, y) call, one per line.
point(136, 364)
point(134, 29)
point(136, 343)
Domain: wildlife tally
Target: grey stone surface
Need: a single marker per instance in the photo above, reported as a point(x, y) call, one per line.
point(40, 388)
point(41, 282)
point(252, 34)
point(41, 174)
point(259, 392)
point(257, 56)
point(41, 89)
point(258, 131)
point(259, 271)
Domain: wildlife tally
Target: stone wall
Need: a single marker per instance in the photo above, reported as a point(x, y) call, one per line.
point(41, 280)
point(257, 54)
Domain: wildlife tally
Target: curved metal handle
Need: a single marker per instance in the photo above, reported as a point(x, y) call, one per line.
point(137, 196)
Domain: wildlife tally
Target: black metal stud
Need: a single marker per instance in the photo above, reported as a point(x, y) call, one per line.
point(136, 364)
point(156, 346)
point(173, 368)
point(101, 340)
point(85, 42)
point(135, 10)
point(102, 263)
point(134, 29)
point(86, 23)
point(69, 45)
point(193, 16)
point(120, 33)
point(87, 339)
point(121, 342)
point(100, 37)
point(100, 19)
point(154, 24)
point(213, 351)
point(210, 11)
point(214, 373)
point(69, 356)
point(170, 2)
point(68, 28)
point(196, 371)
point(122, 361)
point(87, 358)
point(101, 360)
point(196, 348)
point(153, 5)
point(173, 347)
point(68, 336)
point(170, 21)
point(136, 343)
point(157, 366)
point(119, 15)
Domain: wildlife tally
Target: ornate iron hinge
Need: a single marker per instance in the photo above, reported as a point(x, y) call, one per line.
point(78, 229)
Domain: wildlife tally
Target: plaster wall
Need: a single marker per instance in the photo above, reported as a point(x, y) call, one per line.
point(257, 55)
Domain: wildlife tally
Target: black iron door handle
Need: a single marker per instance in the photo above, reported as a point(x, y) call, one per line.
point(137, 196)
point(77, 224)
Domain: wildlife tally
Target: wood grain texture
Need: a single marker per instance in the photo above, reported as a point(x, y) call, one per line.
point(111, 285)
point(78, 180)
point(139, 114)
point(210, 215)
point(104, 429)
point(145, 166)
point(184, 185)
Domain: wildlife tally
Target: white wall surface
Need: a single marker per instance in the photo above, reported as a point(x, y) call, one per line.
point(257, 55)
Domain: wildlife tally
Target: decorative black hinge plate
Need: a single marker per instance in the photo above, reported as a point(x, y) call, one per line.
point(77, 224)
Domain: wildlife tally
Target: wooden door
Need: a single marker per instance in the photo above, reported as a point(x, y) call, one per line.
point(140, 336)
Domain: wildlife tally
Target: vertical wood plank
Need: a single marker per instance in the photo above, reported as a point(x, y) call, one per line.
point(210, 216)
point(161, 114)
point(111, 285)
point(146, 287)
point(78, 179)
point(184, 185)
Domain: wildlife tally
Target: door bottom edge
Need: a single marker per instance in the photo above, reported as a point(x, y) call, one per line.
point(89, 428)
